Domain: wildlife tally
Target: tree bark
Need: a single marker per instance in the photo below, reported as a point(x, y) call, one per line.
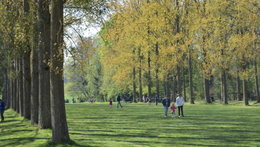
point(58, 113)
point(44, 69)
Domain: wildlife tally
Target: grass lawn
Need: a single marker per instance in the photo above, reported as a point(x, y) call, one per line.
point(144, 125)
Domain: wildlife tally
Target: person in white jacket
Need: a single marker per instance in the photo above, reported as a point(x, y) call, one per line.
point(179, 104)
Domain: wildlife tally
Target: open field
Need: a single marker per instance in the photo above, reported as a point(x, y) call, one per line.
point(143, 125)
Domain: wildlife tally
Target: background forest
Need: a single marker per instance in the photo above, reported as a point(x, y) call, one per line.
point(201, 49)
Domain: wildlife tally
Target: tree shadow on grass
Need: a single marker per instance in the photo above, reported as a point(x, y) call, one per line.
point(18, 141)
point(63, 144)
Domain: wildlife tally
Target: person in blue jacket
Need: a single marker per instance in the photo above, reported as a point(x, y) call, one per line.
point(2, 109)
point(166, 104)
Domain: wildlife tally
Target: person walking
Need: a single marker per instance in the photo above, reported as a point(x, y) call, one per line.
point(179, 104)
point(2, 109)
point(156, 100)
point(119, 101)
point(173, 110)
point(110, 103)
point(166, 104)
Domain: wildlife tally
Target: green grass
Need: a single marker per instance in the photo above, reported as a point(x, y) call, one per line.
point(144, 125)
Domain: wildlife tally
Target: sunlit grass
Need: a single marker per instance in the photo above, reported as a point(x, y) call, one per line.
point(144, 125)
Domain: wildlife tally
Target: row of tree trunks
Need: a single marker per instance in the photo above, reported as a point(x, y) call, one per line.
point(40, 97)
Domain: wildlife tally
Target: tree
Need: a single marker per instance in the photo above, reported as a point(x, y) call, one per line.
point(34, 67)
point(44, 59)
point(58, 114)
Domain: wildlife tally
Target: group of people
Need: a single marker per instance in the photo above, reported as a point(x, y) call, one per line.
point(118, 102)
point(166, 104)
point(179, 104)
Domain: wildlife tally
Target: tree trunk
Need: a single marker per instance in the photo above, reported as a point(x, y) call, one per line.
point(21, 96)
point(224, 87)
point(16, 103)
point(26, 86)
point(184, 86)
point(238, 87)
point(44, 69)
point(149, 76)
point(26, 70)
point(256, 83)
point(179, 84)
point(13, 94)
point(157, 71)
point(174, 83)
point(140, 75)
point(134, 78)
point(206, 91)
point(190, 79)
point(10, 88)
point(245, 93)
point(134, 85)
point(58, 113)
point(168, 92)
point(34, 74)
point(166, 87)
point(244, 83)
point(18, 82)
point(5, 86)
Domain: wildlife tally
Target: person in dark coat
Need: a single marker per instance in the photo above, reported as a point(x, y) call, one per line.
point(166, 104)
point(156, 100)
point(119, 101)
point(2, 109)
